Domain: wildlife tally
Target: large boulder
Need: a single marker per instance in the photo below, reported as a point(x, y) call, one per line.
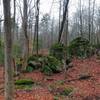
point(80, 47)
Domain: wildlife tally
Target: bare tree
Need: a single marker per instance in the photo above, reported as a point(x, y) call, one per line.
point(92, 26)
point(8, 52)
point(81, 24)
point(89, 20)
point(30, 22)
point(37, 25)
point(1, 20)
point(0, 26)
point(26, 39)
point(65, 32)
point(63, 21)
point(59, 14)
point(52, 31)
point(14, 18)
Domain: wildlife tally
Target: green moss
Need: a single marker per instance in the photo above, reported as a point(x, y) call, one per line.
point(51, 65)
point(60, 82)
point(79, 47)
point(34, 62)
point(47, 70)
point(32, 58)
point(67, 91)
point(57, 50)
point(56, 98)
point(24, 87)
point(47, 64)
point(24, 82)
point(29, 69)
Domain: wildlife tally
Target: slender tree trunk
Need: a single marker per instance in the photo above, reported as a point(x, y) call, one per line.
point(26, 45)
point(34, 37)
point(89, 22)
point(13, 22)
point(92, 27)
point(14, 19)
point(66, 42)
point(8, 52)
point(52, 32)
point(66, 29)
point(37, 25)
point(63, 21)
point(81, 24)
point(59, 14)
point(0, 29)
point(26, 38)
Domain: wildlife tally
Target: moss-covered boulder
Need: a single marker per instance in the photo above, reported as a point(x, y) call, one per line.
point(57, 50)
point(51, 65)
point(80, 47)
point(47, 64)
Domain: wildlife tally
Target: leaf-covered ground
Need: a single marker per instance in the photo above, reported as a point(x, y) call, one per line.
point(49, 87)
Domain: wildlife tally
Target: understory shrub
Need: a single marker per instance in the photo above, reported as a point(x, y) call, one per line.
point(80, 47)
point(57, 50)
point(47, 64)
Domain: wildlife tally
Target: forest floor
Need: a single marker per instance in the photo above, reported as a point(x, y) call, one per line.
point(49, 87)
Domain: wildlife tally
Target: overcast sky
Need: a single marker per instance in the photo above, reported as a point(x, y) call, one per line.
point(73, 4)
point(45, 6)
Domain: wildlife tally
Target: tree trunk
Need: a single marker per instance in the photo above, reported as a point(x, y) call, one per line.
point(26, 39)
point(66, 41)
point(59, 14)
point(14, 20)
point(92, 27)
point(0, 29)
point(8, 52)
point(63, 21)
point(52, 32)
point(37, 25)
point(81, 23)
point(89, 22)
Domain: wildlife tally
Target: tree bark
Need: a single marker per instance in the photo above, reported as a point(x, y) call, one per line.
point(66, 41)
point(37, 25)
point(8, 52)
point(59, 14)
point(81, 21)
point(26, 39)
point(92, 27)
point(89, 22)
point(14, 20)
point(63, 21)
